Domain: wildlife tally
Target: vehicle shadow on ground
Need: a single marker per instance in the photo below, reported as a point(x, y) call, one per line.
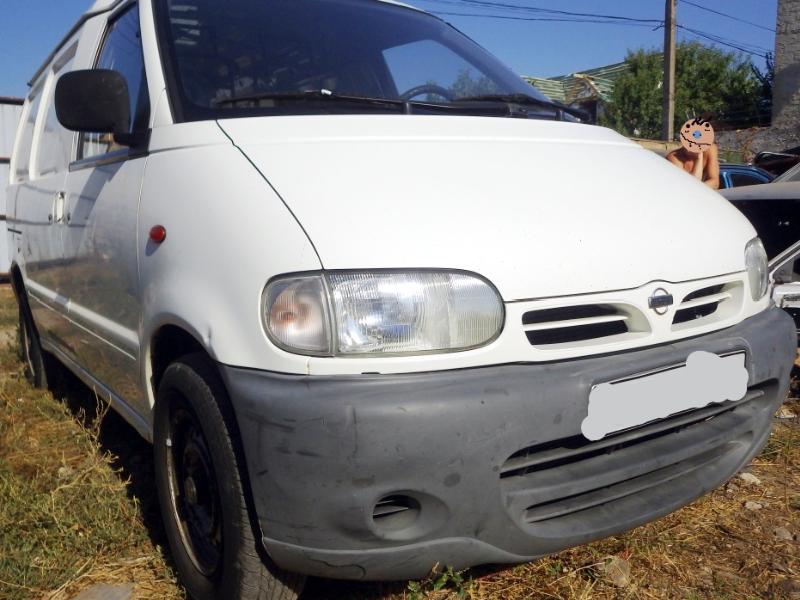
point(132, 458)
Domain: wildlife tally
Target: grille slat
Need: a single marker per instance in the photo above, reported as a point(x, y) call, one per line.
point(573, 482)
point(574, 322)
point(574, 448)
point(566, 506)
point(705, 303)
point(608, 467)
point(581, 323)
point(712, 299)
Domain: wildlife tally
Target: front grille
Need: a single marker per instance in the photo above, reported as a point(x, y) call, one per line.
point(567, 324)
point(703, 305)
point(577, 484)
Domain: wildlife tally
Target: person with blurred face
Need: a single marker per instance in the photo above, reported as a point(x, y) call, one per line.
point(698, 153)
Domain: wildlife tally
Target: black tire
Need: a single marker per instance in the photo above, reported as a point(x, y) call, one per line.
point(201, 488)
point(38, 364)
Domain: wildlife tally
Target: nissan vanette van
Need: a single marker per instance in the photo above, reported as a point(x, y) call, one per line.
point(377, 303)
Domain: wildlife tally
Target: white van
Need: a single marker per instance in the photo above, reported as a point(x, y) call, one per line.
point(377, 303)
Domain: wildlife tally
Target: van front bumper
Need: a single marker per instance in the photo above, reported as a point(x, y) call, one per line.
point(485, 465)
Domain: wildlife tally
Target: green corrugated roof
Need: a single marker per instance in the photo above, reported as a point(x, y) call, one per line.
point(550, 88)
point(592, 83)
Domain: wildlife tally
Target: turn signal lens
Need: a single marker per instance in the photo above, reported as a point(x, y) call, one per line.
point(296, 314)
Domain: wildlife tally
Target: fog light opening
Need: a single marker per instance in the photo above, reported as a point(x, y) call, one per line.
point(395, 512)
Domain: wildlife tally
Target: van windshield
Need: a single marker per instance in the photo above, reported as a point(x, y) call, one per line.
point(251, 57)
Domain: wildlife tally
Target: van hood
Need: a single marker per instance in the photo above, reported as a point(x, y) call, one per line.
point(540, 208)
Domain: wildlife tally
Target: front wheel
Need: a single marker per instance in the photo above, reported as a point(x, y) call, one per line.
point(199, 475)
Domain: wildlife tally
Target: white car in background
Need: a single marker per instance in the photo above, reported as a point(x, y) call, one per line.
point(774, 211)
point(377, 303)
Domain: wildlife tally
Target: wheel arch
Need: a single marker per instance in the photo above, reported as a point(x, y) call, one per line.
point(167, 344)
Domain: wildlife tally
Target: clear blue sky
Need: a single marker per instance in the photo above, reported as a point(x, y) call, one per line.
point(30, 28)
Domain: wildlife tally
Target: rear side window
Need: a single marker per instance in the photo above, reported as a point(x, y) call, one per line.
point(22, 159)
point(55, 142)
point(741, 179)
point(122, 52)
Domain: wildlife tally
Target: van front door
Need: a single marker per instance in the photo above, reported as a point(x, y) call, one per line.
point(102, 198)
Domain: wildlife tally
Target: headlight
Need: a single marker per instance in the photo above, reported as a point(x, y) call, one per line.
point(382, 313)
point(755, 259)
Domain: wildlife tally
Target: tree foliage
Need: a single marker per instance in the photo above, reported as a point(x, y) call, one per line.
point(708, 82)
point(465, 85)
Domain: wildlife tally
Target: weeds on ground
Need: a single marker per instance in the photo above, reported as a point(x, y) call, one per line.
point(452, 583)
point(66, 519)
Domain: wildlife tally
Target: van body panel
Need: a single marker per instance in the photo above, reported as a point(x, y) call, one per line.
point(224, 243)
point(101, 274)
point(491, 195)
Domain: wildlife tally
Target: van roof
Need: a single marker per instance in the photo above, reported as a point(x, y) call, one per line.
point(98, 8)
point(101, 6)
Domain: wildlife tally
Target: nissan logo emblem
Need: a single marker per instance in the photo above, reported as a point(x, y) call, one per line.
point(660, 301)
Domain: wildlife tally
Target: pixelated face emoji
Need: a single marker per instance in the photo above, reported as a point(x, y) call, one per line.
point(696, 135)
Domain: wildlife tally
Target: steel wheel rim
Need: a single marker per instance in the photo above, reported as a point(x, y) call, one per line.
point(194, 493)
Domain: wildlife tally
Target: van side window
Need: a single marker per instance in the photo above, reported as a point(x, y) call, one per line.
point(122, 52)
point(22, 159)
point(55, 142)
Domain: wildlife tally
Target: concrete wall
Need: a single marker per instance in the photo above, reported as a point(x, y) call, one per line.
point(785, 130)
point(786, 88)
point(744, 144)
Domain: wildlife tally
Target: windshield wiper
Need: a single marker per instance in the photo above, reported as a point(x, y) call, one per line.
point(525, 99)
point(407, 106)
point(311, 95)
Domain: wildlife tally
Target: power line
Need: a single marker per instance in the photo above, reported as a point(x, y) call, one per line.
point(546, 19)
point(554, 15)
point(488, 4)
point(724, 42)
point(744, 46)
point(716, 12)
point(593, 18)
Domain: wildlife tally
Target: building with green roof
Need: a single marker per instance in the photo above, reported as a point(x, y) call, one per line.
point(588, 90)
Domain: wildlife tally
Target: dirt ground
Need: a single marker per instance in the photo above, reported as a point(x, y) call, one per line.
point(77, 508)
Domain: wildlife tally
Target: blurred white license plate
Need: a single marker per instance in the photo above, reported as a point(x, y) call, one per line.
point(704, 379)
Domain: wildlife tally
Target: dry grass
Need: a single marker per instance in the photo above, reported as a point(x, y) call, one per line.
point(77, 508)
point(67, 518)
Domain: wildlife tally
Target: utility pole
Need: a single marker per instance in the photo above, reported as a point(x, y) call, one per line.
point(668, 87)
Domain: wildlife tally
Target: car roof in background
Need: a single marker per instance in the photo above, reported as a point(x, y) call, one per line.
point(795, 170)
point(765, 191)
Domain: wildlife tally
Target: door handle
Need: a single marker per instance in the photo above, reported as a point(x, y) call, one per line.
point(59, 210)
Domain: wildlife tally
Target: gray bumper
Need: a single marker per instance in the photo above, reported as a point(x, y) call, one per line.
point(484, 465)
